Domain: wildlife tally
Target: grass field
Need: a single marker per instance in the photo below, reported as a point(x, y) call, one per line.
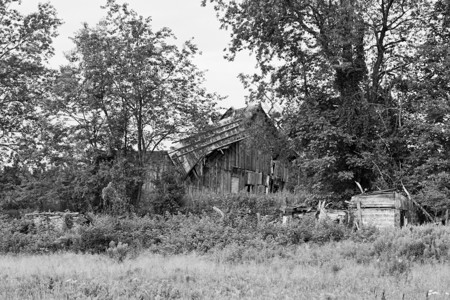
point(316, 272)
point(188, 256)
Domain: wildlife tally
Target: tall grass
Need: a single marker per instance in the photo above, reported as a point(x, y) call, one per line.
point(312, 272)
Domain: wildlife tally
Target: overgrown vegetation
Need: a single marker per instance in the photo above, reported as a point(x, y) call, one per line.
point(250, 231)
point(177, 255)
point(304, 249)
point(366, 96)
point(364, 86)
point(67, 134)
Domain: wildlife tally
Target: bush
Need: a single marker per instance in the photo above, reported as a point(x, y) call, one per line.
point(327, 231)
point(236, 237)
point(366, 234)
point(362, 253)
point(168, 195)
point(118, 252)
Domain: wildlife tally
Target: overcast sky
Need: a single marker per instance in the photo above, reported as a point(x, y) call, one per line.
point(186, 18)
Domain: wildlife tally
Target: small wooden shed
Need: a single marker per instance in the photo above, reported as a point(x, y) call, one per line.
point(383, 209)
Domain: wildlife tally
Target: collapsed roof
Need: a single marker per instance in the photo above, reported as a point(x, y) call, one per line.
point(230, 129)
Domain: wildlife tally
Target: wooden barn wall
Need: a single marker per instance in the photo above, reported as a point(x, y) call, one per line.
point(217, 170)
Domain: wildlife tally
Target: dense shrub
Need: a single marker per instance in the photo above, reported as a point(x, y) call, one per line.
point(241, 203)
point(168, 194)
point(366, 234)
point(237, 237)
point(21, 236)
point(361, 253)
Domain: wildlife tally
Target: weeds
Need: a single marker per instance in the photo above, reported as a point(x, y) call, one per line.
point(238, 238)
point(118, 252)
point(152, 276)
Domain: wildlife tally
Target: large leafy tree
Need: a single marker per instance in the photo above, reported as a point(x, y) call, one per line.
point(25, 89)
point(129, 86)
point(337, 67)
point(426, 94)
point(25, 46)
point(126, 91)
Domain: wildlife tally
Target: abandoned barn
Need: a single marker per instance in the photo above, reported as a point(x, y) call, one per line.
point(223, 159)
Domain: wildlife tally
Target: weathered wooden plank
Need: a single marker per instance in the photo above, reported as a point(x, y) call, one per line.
point(235, 159)
point(241, 156)
point(358, 207)
point(207, 136)
point(230, 157)
point(189, 155)
point(378, 217)
point(376, 201)
point(235, 184)
point(254, 156)
point(258, 178)
point(241, 181)
point(217, 177)
point(222, 180)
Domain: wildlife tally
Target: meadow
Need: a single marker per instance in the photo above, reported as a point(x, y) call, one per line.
point(312, 272)
point(200, 255)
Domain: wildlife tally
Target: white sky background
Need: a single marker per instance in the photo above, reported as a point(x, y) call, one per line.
point(186, 18)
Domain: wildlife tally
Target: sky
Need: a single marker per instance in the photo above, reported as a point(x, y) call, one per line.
point(187, 19)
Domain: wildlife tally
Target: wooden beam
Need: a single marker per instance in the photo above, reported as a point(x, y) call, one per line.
point(358, 205)
point(418, 205)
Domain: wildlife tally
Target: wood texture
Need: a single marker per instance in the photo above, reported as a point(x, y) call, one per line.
point(215, 159)
point(381, 218)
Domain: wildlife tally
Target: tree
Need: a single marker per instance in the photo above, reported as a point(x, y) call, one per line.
point(25, 46)
point(128, 83)
point(127, 90)
point(336, 66)
point(426, 94)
